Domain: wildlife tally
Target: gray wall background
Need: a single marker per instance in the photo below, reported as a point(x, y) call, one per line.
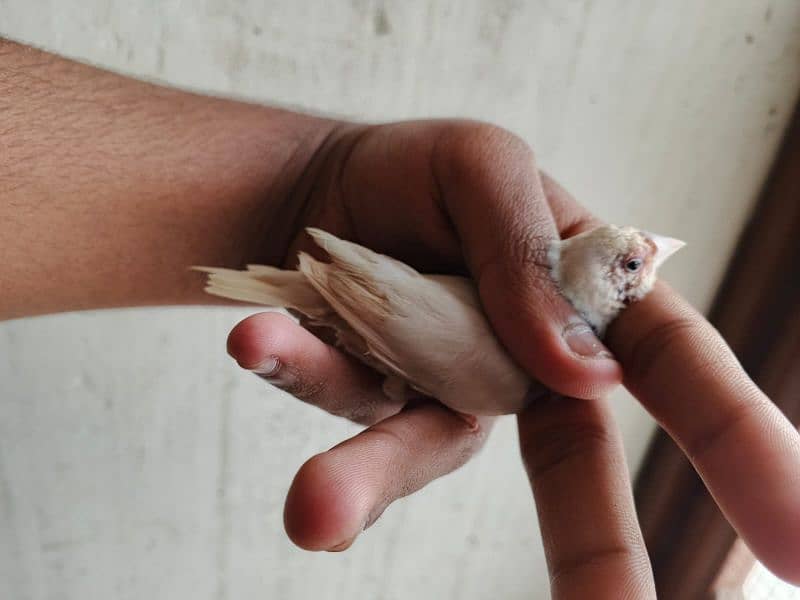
point(137, 462)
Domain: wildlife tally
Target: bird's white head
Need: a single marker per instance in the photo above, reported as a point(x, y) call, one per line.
point(603, 270)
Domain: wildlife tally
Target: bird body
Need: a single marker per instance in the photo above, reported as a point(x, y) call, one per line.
point(427, 333)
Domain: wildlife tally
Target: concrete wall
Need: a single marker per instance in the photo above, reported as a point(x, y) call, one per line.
point(137, 462)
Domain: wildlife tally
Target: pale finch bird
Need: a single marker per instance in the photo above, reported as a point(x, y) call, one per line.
point(428, 333)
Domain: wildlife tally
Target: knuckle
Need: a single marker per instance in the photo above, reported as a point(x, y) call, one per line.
point(354, 401)
point(520, 259)
point(294, 383)
point(528, 249)
point(456, 439)
point(495, 172)
point(627, 558)
point(562, 440)
point(663, 340)
point(363, 411)
point(714, 435)
point(366, 411)
point(471, 149)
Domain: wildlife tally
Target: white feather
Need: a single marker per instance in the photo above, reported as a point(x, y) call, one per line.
point(428, 332)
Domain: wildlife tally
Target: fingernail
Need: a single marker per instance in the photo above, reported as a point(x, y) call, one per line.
point(471, 420)
point(343, 546)
point(583, 342)
point(268, 368)
point(373, 517)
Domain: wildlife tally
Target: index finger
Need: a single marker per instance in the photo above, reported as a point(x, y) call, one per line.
point(683, 372)
point(745, 450)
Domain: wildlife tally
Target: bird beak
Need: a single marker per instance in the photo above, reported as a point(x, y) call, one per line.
point(665, 247)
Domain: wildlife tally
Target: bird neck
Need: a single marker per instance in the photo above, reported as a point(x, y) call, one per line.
point(586, 284)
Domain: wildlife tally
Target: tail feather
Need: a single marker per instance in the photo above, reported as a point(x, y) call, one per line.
point(351, 294)
point(270, 286)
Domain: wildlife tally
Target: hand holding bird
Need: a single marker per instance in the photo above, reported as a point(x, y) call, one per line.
point(427, 333)
point(234, 184)
point(466, 199)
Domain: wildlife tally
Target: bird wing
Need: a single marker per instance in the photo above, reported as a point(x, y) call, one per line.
point(351, 285)
point(414, 324)
point(428, 330)
point(270, 286)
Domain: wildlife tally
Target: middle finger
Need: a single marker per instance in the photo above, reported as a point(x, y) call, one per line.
point(574, 458)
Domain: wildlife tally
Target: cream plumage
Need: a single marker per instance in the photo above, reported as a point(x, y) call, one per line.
point(428, 332)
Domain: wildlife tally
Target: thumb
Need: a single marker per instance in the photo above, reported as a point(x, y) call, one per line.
point(492, 191)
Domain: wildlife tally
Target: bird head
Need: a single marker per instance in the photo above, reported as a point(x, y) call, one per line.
point(603, 270)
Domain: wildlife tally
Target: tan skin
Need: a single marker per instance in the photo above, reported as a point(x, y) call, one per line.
point(111, 187)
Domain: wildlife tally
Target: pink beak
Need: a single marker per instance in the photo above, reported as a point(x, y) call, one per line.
point(665, 247)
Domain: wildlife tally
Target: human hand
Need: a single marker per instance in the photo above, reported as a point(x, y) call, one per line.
point(465, 197)
point(227, 177)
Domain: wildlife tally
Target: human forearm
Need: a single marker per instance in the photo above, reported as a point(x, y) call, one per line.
point(111, 187)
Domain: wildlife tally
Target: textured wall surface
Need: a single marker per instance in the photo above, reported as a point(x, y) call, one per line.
point(137, 462)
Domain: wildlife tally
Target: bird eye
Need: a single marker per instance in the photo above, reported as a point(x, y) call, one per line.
point(633, 265)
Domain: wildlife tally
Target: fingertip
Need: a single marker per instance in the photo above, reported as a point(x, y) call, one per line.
point(322, 511)
point(554, 362)
point(784, 559)
point(772, 531)
point(546, 336)
point(250, 340)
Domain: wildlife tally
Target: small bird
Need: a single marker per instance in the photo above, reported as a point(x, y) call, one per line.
point(428, 333)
